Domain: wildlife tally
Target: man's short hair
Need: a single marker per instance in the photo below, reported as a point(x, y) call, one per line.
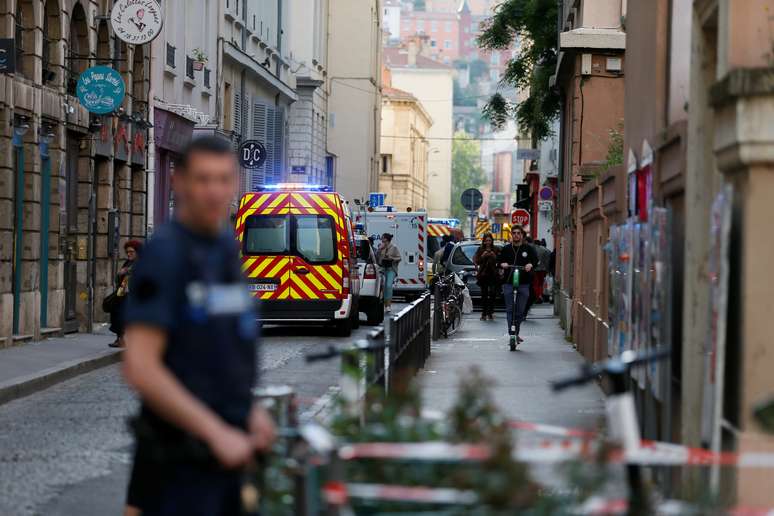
point(205, 145)
point(517, 227)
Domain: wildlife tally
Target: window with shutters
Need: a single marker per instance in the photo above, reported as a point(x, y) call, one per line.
point(269, 128)
point(237, 114)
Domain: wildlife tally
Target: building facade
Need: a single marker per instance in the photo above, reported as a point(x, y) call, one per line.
point(403, 174)
point(308, 156)
point(431, 83)
point(590, 79)
point(72, 184)
point(256, 84)
point(184, 74)
point(354, 94)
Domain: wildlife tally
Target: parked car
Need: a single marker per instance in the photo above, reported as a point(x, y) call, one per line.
point(461, 262)
point(371, 281)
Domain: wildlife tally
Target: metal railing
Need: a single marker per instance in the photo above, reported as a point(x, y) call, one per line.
point(409, 335)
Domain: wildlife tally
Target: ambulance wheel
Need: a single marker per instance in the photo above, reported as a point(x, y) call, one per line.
point(376, 314)
point(344, 327)
point(356, 315)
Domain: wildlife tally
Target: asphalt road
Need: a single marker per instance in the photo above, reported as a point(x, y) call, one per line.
point(66, 450)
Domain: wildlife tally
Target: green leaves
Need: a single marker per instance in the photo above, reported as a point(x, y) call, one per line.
point(466, 170)
point(530, 27)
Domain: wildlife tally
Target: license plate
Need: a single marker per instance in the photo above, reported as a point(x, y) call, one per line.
point(262, 287)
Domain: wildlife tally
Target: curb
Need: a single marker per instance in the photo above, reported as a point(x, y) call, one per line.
point(30, 384)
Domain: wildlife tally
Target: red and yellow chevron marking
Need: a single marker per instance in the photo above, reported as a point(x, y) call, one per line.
point(438, 230)
point(482, 227)
point(322, 281)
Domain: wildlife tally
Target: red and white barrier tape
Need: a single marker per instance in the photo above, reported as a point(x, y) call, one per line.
point(339, 494)
point(552, 429)
point(650, 454)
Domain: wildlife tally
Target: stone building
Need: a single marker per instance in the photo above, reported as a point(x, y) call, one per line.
point(308, 156)
point(404, 149)
point(65, 174)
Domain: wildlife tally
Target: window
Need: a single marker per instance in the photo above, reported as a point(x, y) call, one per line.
point(189, 67)
point(447, 44)
point(386, 163)
point(494, 75)
point(207, 73)
point(434, 26)
point(448, 26)
point(19, 36)
point(420, 25)
point(266, 235)
point(495, 58)
point(463, 254)
point(171, 55)
point(315, 238)
point(433, 43)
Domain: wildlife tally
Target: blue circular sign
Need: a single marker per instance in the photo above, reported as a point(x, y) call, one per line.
point(101, 90)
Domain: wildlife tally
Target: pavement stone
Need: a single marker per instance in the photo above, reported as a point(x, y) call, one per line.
point(35, 366)
point(522, 388)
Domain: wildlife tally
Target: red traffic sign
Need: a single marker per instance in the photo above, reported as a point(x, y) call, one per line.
point(520, 217)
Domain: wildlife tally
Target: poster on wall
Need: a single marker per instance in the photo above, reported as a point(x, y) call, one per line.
point(714, 352)
point(660, 322)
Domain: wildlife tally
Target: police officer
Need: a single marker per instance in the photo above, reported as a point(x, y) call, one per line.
point(191, 350)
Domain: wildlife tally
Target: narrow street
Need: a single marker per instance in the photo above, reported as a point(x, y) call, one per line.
point(67, 450)
point(71, 446)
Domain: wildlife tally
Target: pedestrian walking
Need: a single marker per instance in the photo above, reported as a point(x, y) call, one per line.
point(516, 254)
point(388, 256)
point(116, 302)
point(191, 350)
point(439, 265)
point(541, 269)
point(485, 260)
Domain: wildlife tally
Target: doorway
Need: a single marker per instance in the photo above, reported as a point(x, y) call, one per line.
point(70, 234)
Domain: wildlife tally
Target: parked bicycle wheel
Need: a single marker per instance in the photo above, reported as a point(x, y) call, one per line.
point(452, 319)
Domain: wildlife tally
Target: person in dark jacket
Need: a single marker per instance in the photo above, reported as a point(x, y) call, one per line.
point(517, 253)
point(485, 260)
point(132, 249)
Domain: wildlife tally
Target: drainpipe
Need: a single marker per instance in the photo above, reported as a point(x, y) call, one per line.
point(20, 128)
point(46, 136)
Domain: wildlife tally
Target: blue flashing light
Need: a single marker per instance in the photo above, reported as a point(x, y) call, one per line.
point(304, 187)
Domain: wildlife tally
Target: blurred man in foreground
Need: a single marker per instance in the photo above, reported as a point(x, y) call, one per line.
point(191, 350)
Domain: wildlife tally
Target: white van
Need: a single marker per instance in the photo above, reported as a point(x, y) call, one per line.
point(409, 230)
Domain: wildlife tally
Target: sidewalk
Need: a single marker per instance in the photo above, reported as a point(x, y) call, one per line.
point(522, 377)
point(32, 367)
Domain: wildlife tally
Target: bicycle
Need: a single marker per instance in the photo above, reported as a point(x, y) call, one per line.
point(621, 413)
point(451, 293)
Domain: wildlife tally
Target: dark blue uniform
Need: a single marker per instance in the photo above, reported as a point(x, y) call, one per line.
point(191, 286)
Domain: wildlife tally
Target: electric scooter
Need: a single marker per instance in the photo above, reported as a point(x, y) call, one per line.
point(513, 341)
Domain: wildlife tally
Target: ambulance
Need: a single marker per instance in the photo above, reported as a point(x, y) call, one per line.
point(299, 256)
point(409, 230)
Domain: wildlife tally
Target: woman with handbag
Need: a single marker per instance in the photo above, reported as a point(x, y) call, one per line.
point(485, 260)
point(114, 303)
point(388, 257)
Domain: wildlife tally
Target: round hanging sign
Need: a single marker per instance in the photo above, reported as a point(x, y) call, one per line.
point(252, 154)
point(136, 21)
point(101, 90)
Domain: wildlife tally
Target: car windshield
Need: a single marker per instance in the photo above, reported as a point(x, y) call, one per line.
point(315, 239)
point(266, 234)
point(463, 254)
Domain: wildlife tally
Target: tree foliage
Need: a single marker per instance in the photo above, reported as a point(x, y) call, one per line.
point(466, 170)
point(530, 27)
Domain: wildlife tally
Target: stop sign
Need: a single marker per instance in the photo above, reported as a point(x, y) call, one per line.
point(520, 217)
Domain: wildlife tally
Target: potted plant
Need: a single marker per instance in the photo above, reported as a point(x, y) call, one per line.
point(200, 59)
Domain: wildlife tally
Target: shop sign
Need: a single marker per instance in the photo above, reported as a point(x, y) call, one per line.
point(252, 154)
point(136, 22)
point(101, 90)
point(7, 55)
